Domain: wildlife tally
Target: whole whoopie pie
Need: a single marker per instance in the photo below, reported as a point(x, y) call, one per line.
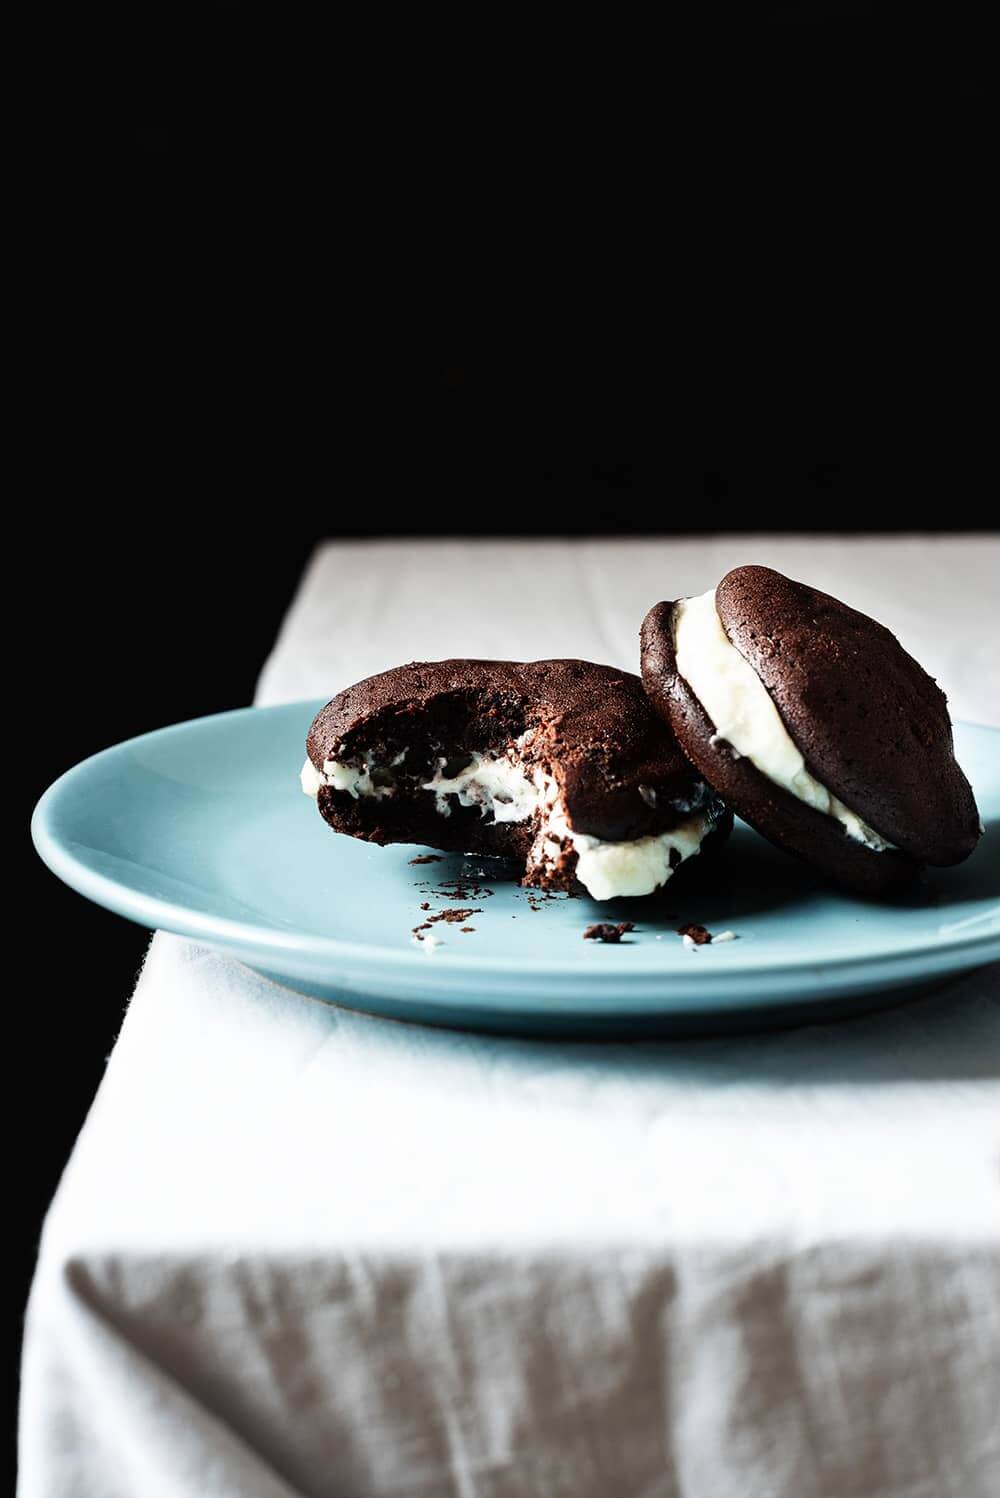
point(814, 724)
point(560, 765)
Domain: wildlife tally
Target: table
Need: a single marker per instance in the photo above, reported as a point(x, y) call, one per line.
point(300, 1251)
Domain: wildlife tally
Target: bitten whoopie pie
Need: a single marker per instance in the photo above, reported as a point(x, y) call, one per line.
point(561, 765)
point(814, 724)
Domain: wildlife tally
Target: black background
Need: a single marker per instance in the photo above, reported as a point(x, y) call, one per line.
point(293, 272)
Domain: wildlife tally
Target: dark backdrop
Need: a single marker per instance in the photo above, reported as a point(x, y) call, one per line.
point(287, 273)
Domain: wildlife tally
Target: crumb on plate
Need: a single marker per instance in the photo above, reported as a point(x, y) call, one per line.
point(607, 932)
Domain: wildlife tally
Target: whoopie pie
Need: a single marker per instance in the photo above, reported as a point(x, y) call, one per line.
point(815, 726)
point(560, 765)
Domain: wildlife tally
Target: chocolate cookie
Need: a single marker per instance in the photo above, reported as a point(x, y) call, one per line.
point(815, 725)
point(561, 765)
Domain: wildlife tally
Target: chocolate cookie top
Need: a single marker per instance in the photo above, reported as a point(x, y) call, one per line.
point(870, 724)
point(619, 769)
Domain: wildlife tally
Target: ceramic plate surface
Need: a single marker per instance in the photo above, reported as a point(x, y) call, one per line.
point(202, 829)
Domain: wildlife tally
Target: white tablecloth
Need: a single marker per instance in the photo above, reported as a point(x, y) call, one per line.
point(298, 1251)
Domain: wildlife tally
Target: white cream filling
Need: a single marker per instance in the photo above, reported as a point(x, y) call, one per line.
point(611, 871)
point(742, 713)
point(607, 870)
point(497, 785)
point(311, 779)
point(356, 780)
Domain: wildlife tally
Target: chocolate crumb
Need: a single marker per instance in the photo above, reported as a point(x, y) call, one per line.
point(456, 915)
point(698, 934)
point(425, 905)
point(605, 931)
point(537, 899)
point(466, 928)
point(460, 890)
point(428, 858)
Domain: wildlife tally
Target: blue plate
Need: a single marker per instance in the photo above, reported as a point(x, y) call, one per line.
point(202, 829)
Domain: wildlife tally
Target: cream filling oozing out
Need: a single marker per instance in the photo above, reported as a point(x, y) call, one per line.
point(610, 871)
point(607, 870)
point(743, 714)
point(356, 779)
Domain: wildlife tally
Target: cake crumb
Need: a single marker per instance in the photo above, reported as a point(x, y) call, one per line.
point(428, 858)
point(695, 936)
point(605, 931)
point(725, 936)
